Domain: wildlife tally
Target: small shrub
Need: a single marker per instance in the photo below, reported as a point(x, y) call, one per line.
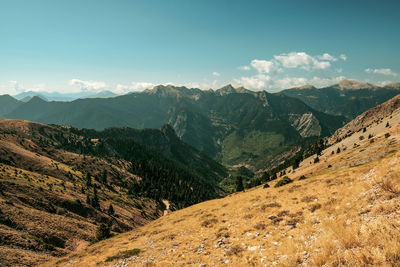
point(285, 180)
point(209, 223)
point(361, 137)
point(387, 135)
point(124, 255)
point(303, 177)
point(260, 226)
point(60, 211)
point(234, 250)
point(316, 160)
point(282, 213)
point(103, 232)
point(266, 186)
point(315, 207)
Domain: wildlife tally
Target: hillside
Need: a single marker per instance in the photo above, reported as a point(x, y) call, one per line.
point(7, 104)
point(57, 184)
point(348, 98)
point(226, 124)
point(340, 210)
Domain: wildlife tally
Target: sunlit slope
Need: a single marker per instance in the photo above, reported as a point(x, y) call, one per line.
point(345, 212)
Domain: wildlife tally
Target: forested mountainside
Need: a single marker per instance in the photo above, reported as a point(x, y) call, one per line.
point(58, 185)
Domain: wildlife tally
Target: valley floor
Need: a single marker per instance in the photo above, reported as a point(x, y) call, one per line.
point(346, 212)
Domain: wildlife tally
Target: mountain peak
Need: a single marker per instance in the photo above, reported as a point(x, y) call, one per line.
point(171, 90)
point(348, 84)
point(306, 86)
point(36, 99)
point(229, 89)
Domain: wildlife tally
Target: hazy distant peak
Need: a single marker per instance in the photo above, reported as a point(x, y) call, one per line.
point(393, 85)
point(352, 85)
point(306, 86)
point(36, 98)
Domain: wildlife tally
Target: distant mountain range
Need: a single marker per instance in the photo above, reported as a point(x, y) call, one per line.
point(56, 96)
point(232, 125)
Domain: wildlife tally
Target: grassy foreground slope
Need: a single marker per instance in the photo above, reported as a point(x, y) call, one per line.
point(345, 212)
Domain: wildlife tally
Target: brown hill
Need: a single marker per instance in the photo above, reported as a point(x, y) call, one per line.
point(374, 115)
point(43, 195)
point(342, 210)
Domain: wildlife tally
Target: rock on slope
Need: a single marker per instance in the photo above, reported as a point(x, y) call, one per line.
point(345, 212)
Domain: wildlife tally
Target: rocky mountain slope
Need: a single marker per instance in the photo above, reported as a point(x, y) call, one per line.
point(227, 124)
point(341, 209)
point(348, 98)
point(57, 184)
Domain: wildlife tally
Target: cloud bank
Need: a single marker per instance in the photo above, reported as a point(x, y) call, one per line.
point(387, 72)
point(272, 74)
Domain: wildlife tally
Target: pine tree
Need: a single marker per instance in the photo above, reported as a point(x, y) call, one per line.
point(110, 210)
point(103, 232)
point(88, 200)
point(95, 200)
point(88, 180)
point(239, 184)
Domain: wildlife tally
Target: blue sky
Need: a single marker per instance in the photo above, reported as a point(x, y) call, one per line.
point(69, 46)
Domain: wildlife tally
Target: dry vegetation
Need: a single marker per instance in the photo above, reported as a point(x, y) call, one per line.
point(347, 214)
point(43, 210)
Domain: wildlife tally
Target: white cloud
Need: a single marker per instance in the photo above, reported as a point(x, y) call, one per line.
point(88, 85)
point(326, 56)
point(343, 57)
point(38, 87)
point(14, 87)
point(272, 74)
point(301, 60)
point(133, 87)
point(256, 82)
point(244, 68)
point(387, 72)
point(11, 87)
point(288, 82)
point(263, 82)
point(216, 74)
point(263, 66)
point(322, 82)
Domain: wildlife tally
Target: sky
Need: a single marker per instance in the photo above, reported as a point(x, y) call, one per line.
point(128, 45)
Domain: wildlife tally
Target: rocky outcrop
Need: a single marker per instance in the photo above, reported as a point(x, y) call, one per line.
point(306, 124)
